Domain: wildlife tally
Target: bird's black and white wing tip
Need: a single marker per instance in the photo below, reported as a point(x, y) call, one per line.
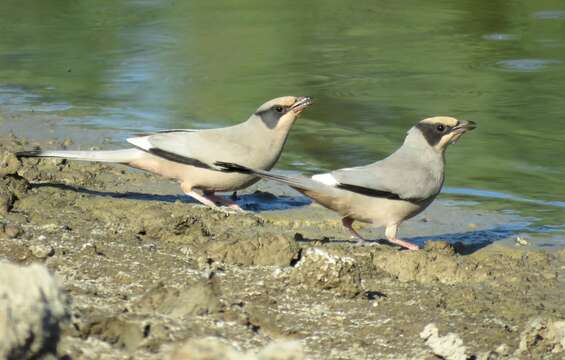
point(330, 180)
point(232, 167)
point(369, 192)
point(167, 131)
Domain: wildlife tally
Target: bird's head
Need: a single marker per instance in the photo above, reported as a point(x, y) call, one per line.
point(282, 112)
point(440, 131)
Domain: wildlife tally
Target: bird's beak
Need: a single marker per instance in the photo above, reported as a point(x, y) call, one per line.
point(464, 126)
point(301, 103)
point(461, 128)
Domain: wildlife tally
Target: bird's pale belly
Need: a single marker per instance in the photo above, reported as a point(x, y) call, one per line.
point(373, 210)
point(193, 177)
point(380, 211)
point(210, 180)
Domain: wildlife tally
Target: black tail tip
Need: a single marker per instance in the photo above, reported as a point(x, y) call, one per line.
point(28, 153)
point(232, 167)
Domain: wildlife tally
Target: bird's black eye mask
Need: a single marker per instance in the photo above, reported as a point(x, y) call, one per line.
point(272, 115)
point(434, 132)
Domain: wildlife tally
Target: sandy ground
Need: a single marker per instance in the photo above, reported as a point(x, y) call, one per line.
point(147, 269)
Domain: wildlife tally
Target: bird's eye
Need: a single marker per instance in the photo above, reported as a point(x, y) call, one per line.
point(440, 128)
point(278, 108)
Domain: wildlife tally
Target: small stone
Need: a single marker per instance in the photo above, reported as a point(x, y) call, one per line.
point(42, 251)
point(521, 241)
point(12, 231)
point(542, 336)
point(50, 228)
point(503, 349)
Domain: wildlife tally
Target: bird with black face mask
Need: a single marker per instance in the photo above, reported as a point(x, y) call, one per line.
point(387, 192)
point(182, 154)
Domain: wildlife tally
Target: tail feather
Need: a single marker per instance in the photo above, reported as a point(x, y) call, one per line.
point(298, 182)
point(113, 156)
point(28, 153)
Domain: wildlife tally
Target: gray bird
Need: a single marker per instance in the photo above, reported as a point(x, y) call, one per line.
point(182, 154)
point(387, 192)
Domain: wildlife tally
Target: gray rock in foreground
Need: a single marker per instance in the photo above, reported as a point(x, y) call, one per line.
point(32, 308)
point(212, 348)
point(449, 347)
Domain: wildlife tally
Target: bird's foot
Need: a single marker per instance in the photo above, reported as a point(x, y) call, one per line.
point(404, 244)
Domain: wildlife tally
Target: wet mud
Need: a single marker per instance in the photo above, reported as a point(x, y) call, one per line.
point(149, 272)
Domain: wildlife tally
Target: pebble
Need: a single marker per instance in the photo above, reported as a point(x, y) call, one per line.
point(42, 251)
point(521, 241)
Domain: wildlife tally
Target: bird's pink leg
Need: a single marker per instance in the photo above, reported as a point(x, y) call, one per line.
point(391, 233)
point(202, 198)
point(348, 223)
point(223, 201)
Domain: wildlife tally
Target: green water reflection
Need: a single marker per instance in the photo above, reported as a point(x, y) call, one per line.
point(375, 68)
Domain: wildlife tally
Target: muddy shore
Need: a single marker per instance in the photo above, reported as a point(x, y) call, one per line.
point(147, 270)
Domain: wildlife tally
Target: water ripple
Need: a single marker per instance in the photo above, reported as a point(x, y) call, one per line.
point(499, 37)
point(526, 65)
point(549, 14)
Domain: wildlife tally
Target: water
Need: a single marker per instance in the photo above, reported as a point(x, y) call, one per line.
point(374, 67)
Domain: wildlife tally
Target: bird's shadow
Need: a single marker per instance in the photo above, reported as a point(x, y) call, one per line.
point(257, 202)
point(464, 243)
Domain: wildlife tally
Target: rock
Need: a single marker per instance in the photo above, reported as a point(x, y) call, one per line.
point(6, 203)
point(436, 264)
point(32, 309)
point(328, 270)
point(212, 348)
point(269, 250)
point(12, 231)
point(42, 251)
point(282, 350)
point(439, 246)
point(449, 347)
point(198, 299)
point(207, 349)
point(123, 333)
point(9, 163)
point(11, 188)
point(542, 335)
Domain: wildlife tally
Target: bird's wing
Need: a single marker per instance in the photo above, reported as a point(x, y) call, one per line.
point(196, 148)
point(166, 131)
point(406, 181)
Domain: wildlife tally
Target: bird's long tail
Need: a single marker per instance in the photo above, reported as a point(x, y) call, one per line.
point(297, 182)
point(112, 156)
